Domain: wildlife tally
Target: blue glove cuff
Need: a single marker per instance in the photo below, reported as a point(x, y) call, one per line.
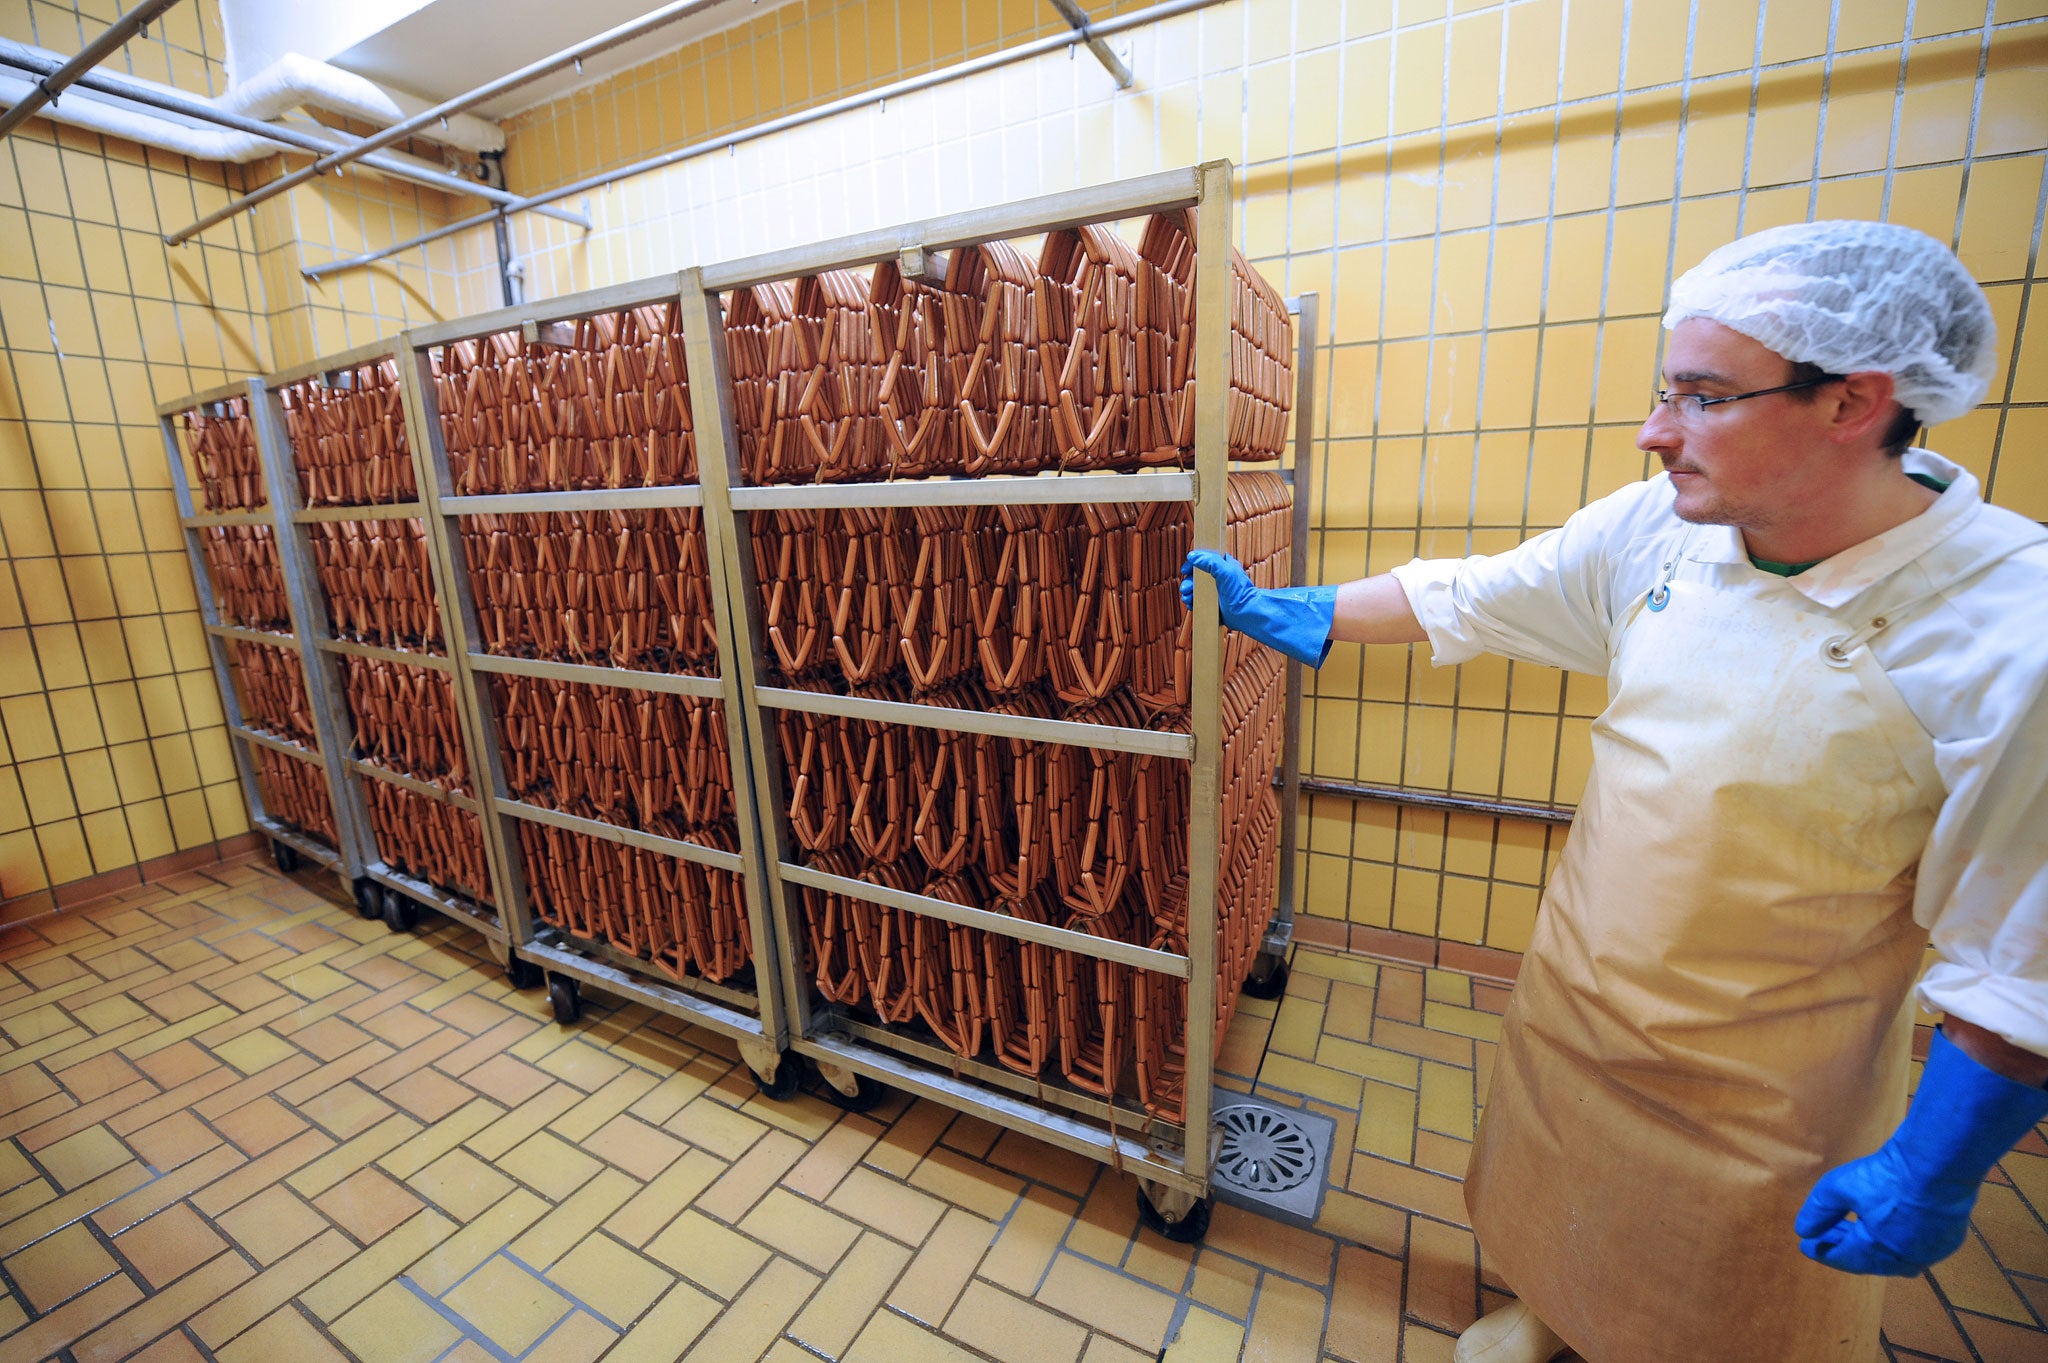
point(1964, 1118)
point(1309, 613)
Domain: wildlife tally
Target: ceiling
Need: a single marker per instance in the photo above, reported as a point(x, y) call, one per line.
point(442, 48)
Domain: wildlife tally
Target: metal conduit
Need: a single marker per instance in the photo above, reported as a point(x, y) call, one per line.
point(1023, 52)
point(98, 50)
point(1425, 799)
point(19, 58)
point(397, 132)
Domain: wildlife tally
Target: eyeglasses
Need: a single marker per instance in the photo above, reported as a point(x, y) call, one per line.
point(1687, 407)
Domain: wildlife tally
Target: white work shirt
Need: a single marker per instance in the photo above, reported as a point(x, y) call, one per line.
point(1973, 669)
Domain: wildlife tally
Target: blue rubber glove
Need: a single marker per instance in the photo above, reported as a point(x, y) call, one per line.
point(1912, 1196)
point(1295, 620)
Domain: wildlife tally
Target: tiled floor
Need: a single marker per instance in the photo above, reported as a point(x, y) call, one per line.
point(244, 1123)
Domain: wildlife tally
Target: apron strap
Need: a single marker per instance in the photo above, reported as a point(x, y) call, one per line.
point(1839, 647)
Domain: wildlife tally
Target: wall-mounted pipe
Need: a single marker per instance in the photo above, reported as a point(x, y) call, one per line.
point(47, 89)
point(1022, 52)
point(568, 56)
point(247, 140)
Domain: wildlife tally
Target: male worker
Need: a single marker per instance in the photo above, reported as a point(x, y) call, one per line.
point(1826, 738)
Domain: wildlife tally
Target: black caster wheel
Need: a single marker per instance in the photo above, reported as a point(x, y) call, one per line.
point(789, 1077)
point(1266, 981)
point(285, 855)
point(522, 973)
point(1186, 1231)
point(369, 902)
point(565, 998)
point(400, 913)
point(866, 1093)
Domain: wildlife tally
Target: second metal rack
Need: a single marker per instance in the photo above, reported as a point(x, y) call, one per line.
point(749, 1011)
point(398, 892)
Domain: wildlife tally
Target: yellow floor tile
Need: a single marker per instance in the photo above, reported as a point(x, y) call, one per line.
point(1012, 1329)
point(395, 1324)
point(893, 1208)
point(841, 1308)
point(507, 1304)
point(1131, 1310)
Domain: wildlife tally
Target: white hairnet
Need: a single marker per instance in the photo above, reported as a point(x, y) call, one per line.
point(1853, 297)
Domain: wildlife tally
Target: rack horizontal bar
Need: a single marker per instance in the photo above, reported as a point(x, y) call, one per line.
point(1053, 1089)
point(627, 678)
point(403, 656)
point(269, 637)
point(1071, 733)
point(366, 353)
point(366, 511)
point(203, 519)
point(589, 499)
point(637, 988)
point(632, 837)
point(1065, 939)
point(192, 401)
point(413, 784)
point(1069, 489)
point(438, 899)
point(283, 745)
point(1025, 217)
point(612, 298)
point(634, 965)
point(305, 844)
point(874, 1058)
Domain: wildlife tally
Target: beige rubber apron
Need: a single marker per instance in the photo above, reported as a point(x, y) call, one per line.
point(1712, 1010)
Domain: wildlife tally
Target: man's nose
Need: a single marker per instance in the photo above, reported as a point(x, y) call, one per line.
point(1659, 430)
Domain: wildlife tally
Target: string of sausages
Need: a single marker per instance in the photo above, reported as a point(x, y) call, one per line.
point(681, 916)
point(294, 792)
point(377, 578)
point(220, 445)
point(602, 403)
point(625, 589)
point(642, 760)
point(429, 840)
point(348, 439)
point(1082, 360)
point(1084, 600)
point(248, 580)
point(406, 721)
point(270, 684)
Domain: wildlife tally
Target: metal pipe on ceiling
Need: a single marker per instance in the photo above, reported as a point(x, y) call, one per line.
point(98, 50)
point(17, 57)
point(532, 71)
point(1168, 9)
point(1077, 18)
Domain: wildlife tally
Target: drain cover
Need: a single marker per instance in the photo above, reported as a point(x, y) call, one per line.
point(1272, 1159)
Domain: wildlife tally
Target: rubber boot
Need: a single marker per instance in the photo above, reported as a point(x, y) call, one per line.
point(1512, 1334)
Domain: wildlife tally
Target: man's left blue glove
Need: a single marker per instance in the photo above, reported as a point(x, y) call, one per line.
point(1912, 1196)
point(1295, 620)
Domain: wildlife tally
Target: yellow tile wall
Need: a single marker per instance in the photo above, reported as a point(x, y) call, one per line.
point(1489, 197)
point(112, 748)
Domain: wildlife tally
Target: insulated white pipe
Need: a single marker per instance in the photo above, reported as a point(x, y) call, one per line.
point(532, 71)
point(110, 110)
point(293, 80)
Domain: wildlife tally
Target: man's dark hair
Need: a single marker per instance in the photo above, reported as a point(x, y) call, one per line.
point(1905, 427)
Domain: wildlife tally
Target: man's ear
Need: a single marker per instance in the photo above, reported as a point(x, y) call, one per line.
point(1864, 407)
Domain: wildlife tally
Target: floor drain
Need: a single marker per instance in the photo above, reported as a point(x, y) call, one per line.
point(1273, 1159)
